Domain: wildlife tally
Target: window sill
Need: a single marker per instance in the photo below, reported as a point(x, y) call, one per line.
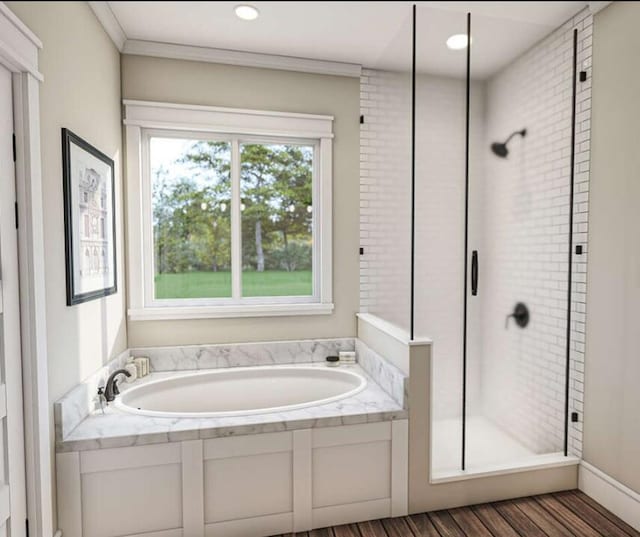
point(228, 312)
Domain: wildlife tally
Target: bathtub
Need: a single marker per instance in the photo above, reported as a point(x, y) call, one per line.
point(240, 391)
point(253, 447)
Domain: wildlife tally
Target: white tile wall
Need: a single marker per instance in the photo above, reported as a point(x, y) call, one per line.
point(519, 223)
point(385, 195)
point(440, 152)
point(584, 23)
point(524, 239)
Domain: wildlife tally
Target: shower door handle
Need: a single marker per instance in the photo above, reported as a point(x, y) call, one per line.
point(474, 273)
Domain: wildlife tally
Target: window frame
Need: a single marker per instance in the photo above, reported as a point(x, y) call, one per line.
point(146, 120)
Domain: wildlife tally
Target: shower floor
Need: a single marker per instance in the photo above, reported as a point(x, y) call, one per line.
point(487, 446)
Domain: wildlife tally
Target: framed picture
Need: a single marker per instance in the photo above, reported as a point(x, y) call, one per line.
point(89, 220)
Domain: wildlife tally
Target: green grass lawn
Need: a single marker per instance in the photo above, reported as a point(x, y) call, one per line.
point(218, 284)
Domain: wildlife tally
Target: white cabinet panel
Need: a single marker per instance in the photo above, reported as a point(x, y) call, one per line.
point(135, 500)
point(351, 434)
point(336, 515)
point(351, 473)
point(103, 460)
point(244, 487)
point(399, 468)
point(239, 446)
point(302, 476)
point(251, 527)
point(69, 493)
point(193, 488)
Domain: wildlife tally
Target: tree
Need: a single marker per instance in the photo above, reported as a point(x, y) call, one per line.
point(191, 214)
point(192, 205)
point(256, 190)
point(276, 191)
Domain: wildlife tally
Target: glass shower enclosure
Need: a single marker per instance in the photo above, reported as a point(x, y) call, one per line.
point(493, 136)
point(470, 125)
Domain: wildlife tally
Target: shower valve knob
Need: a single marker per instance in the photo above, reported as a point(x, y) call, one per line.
point(520, 315)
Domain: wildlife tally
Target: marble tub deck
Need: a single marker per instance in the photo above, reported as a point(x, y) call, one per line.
point(116, 428)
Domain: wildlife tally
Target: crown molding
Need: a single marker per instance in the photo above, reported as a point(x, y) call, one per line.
point(109, 23)
point(244, 59)
point(594, 7)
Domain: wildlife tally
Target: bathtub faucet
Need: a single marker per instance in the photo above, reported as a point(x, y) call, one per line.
point(111, 389)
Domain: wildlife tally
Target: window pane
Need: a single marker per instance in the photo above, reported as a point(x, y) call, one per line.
point(191, 193)
point(277, 214)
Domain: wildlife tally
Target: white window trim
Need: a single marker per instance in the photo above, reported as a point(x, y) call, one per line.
point(143, 119)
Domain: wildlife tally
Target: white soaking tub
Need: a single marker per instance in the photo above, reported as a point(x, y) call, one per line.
point(240, 391)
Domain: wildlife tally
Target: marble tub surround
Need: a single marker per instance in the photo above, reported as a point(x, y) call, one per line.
point(79, 402)
point(243, 354)
point(388, 388)
point(116, 428)
point(387, 376)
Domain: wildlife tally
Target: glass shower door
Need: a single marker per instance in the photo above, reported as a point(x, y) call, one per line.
point(520, 173)
point(440, 154)
point(494, 166)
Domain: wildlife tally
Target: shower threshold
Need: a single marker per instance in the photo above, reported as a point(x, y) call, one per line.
point(490, 451)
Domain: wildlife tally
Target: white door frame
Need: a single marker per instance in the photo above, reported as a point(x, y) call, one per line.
point(19, 53)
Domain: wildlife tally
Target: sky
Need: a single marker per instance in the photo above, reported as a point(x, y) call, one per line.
point(165, 152)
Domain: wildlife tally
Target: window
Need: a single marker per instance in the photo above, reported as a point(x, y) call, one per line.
point(191, 204)
point(235, 215)
point(277, 220)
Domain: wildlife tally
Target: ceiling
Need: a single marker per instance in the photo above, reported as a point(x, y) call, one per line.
point(371, 34)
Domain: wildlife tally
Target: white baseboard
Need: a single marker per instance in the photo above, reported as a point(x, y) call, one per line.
point(616, 497)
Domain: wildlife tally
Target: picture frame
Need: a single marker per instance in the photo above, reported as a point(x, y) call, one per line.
point(89, 220)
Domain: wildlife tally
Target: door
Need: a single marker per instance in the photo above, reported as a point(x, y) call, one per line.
point(518, 227)
point(12, 460)
point(494, 163)
point(441, 104)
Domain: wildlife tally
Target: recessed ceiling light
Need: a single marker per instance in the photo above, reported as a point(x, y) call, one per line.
point(246, 12)
point(457, 42)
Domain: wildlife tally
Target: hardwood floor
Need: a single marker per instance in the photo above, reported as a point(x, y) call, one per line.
point(564, 514)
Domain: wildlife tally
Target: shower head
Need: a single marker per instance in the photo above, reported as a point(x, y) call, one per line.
point(500, 149)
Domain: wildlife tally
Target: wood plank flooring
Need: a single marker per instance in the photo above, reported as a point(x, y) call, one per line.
point(564, 514)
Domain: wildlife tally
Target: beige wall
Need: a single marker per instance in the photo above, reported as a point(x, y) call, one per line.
point(188, 82)
point(81, 91)
point(612, 376)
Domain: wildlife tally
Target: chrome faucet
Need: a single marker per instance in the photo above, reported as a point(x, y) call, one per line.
point(111, 388)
